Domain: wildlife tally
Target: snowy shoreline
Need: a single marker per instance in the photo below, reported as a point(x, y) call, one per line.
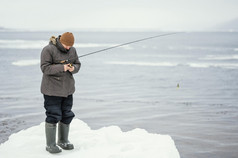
point(106, 142)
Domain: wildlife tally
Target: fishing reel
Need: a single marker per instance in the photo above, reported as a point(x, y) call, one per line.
point(66, 62)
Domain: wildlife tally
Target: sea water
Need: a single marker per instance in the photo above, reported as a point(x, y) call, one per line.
point(184, 85)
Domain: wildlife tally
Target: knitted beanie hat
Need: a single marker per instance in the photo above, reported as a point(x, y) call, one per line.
point(67, 39)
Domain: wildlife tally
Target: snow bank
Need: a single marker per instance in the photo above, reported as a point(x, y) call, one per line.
point(107, 142)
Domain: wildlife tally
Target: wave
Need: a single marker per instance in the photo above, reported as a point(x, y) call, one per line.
point(171, 64)
point(22, 44)
point(26, 62)
point(219, 57)
point(31, 62)
point(141, 63)
point(207, 65)
point(204, 48)
point(39, 44)
point(236, 49)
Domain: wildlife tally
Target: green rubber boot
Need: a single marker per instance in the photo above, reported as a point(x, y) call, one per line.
point(63, 133)
point(50, 132)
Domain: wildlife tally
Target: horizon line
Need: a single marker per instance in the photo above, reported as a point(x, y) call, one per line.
point(4, 29)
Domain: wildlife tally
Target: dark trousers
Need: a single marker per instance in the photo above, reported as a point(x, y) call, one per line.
point(58, 109)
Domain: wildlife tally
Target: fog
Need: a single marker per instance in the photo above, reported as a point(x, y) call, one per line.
point(117, 15)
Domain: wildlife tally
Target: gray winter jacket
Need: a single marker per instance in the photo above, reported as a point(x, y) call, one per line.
point(55, 81)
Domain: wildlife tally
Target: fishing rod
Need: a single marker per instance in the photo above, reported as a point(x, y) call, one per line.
point(119, 45)
point(139, 40)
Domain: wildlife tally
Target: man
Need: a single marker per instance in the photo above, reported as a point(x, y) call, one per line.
point(59, 61)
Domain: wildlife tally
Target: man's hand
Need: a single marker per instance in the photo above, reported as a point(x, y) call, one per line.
point(68, 67)
point(71, 68)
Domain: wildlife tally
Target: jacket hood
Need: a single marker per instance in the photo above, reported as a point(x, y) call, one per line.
point(55, 41)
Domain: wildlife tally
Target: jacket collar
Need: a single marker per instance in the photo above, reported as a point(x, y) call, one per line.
point(60, 46)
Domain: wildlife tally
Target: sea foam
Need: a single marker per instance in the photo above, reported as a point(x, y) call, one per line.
point(106, 142)
point(173, 64)
point(220, 57)
point(26, 62)
point(39, 44)
point(142, 63)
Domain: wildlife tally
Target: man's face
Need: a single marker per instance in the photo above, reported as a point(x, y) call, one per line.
point(66, 47)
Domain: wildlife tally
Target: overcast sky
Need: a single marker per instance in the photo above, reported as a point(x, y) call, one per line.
point(116, 14)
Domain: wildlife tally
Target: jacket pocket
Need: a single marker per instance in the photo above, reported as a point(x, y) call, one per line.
point(55, 83)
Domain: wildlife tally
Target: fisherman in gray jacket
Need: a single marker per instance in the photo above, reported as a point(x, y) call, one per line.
point(59, 61)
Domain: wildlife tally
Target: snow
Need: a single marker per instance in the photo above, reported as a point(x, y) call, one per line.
point(106, 142)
